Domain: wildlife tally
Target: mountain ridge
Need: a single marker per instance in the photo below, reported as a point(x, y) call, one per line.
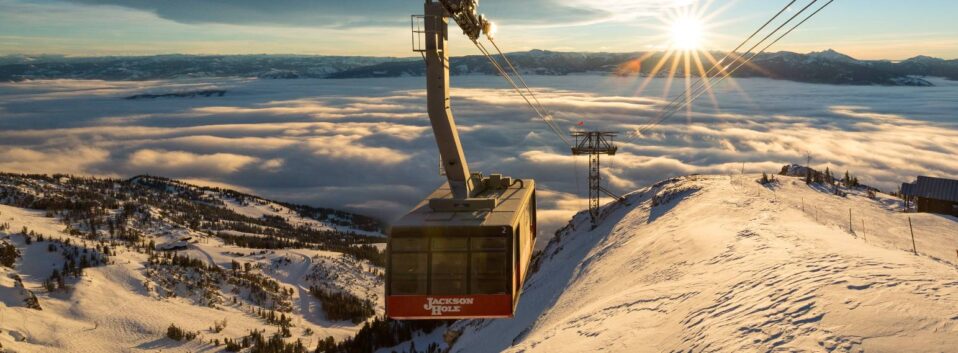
point(725, 263)
point(42, 191)
point(826, 67)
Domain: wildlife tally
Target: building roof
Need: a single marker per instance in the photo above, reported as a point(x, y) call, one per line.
point(932, 188)
point(908, 189)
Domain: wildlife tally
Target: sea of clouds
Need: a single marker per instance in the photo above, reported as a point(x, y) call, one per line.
point(365, 145)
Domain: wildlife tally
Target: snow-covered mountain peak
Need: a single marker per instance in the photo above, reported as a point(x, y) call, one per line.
point(924, 59)
point(720, 263)
point(832, 55)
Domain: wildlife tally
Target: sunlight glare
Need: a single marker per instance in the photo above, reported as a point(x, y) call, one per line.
point(687, 33)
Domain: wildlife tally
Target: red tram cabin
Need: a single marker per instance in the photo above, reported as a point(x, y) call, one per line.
point(466, 264)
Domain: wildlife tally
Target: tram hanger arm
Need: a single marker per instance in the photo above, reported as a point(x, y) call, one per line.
point(467, 16)
point(463, 184)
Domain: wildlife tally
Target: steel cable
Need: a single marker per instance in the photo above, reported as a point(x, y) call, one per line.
point(704, 78)
point(702, 90)
point(671, 109)
point(555, 129)
point(524, 84)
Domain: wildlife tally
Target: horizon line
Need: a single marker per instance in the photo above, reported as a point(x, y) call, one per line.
point(82, 56)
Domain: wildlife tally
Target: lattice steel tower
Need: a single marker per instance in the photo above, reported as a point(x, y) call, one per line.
point(595, 143)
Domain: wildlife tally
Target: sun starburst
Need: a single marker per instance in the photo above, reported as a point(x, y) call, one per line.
point(686, 32)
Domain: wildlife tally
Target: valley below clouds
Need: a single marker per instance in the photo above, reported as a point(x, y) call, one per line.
point(365, 145)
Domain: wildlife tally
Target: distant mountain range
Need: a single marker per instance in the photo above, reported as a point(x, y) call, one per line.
point(133, 68)
point(828, 67)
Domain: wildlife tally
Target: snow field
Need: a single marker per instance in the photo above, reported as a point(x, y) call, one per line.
point(110, 310)
point(725, 264)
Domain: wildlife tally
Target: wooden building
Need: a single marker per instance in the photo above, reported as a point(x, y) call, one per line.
point(933, 195)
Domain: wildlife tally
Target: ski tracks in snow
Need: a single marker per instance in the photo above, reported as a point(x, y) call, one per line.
point(294, 278)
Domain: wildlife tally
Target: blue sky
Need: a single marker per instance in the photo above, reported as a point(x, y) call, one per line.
point(870, 29)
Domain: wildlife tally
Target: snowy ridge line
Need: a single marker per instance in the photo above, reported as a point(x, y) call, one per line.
point(305, 215)
point(182, 204)
point(725, 263)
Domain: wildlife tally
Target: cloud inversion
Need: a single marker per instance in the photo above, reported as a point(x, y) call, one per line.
point(366, 145)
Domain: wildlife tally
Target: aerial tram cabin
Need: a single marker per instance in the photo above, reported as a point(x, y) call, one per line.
point(464, 251)
point(462, 264)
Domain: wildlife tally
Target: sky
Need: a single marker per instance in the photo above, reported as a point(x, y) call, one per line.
point(865, 29)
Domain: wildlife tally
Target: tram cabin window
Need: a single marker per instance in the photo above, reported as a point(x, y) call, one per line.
point(451, 265)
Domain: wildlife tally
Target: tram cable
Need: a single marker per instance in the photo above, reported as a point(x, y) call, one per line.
point(549, 117)
point(718, 64)
point(478, 23)
point(668, 112)
point(702, 91)
point(672, 108)
point(538, 108)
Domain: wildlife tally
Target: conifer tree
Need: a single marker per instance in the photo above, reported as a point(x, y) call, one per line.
point(49, 285)
point(174, 333)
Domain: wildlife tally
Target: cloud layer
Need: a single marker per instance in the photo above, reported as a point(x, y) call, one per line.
point(366, 145)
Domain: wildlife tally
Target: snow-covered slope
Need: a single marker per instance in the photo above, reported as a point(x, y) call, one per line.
point(725, 264)
point(89, 273)
point(693, 264)
point(259, 208)
point(121, 307)
point(317, 219)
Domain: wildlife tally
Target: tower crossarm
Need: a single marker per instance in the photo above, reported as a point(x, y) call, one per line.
point(595, 144)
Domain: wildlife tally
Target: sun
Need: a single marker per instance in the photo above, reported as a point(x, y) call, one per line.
point(687, 33)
